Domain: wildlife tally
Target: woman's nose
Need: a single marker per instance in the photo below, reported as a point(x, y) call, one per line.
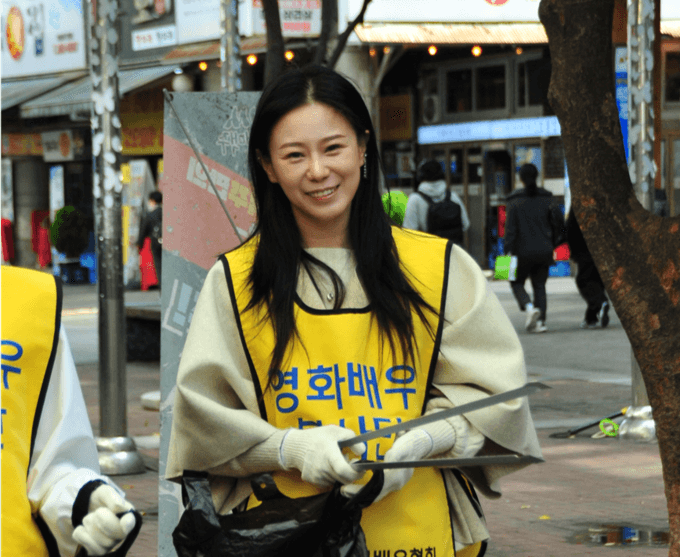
point(317, 169)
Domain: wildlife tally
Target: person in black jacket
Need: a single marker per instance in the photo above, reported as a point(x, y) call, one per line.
point(588, 280)
point(152, 227)
point(528, 235)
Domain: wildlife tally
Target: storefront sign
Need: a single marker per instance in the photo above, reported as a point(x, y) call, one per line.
point(490, 130)
point(42, 36)
point(395, 118)
point(141, 116)
point(57, 146)
point(16, 144)
point(621, 65)
point(299, 18)
point(449, 11)
point(152, 29)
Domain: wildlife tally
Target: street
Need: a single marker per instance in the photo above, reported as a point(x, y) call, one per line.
point(547, 509)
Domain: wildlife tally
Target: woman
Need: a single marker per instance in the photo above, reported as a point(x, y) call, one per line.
point(329, 322)
point(528, 235)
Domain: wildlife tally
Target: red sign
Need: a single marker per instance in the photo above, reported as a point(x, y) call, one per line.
point(15, 32)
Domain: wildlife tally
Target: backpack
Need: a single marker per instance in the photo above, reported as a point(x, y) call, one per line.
point(444, 218)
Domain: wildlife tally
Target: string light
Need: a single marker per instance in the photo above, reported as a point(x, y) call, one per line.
point(476, 50)
point(251, 59)
point(372, 52)
point(519, 50)
point(386, 50)
point(432, 50)
point(203, 66)
point(289, 55)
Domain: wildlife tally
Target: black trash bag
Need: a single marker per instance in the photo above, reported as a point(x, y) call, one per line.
point(324, 525)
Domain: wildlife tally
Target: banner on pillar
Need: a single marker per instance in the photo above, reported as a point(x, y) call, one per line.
point(195, 232)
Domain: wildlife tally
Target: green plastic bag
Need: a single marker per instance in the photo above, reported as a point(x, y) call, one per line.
point(506, 268)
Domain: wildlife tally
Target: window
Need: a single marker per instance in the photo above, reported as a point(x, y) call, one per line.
point(459, 91)
point(672, 77)
point(491, 87)
point(533, 80)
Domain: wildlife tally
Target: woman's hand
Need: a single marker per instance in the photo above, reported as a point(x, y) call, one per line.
point(316, 454)
point(102, 530)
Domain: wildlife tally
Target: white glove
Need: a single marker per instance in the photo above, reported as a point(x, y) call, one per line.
point(315, 453)
point(101, 530)
point(416, 444)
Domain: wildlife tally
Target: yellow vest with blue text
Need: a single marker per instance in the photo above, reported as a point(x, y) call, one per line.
point(347, 375)
point(31, 313)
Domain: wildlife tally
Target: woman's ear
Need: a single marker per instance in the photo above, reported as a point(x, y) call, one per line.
point(267, 166)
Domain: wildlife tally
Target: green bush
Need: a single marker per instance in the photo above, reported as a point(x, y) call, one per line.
point(69, 232)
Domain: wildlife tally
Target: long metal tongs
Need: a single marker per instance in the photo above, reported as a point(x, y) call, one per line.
point(526, 390)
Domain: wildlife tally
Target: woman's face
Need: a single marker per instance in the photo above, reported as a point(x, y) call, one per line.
point(316, 159)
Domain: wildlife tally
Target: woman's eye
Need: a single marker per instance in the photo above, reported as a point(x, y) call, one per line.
point(333, 147)
point(293, 156)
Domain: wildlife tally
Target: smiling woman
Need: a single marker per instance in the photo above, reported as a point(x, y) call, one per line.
point(316, 158)
point(329, 322)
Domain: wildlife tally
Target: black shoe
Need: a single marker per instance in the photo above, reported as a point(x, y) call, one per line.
point(603, 316)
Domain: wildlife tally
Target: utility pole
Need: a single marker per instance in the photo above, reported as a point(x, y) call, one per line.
point(117, 452)
point(230, 48)
point(643, 63)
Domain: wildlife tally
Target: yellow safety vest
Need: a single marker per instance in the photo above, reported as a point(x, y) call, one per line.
point(339, 375)
point(31, 314)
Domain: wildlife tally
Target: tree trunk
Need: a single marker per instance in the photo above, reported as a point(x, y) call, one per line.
point(329, 26)
point(636, 252)
point(275, 60)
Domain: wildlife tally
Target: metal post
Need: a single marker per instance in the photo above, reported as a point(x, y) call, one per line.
point(638, 423)
point(117, 452)
point(230, 58)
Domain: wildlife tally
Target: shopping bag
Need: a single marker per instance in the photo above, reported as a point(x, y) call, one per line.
point(324, 525)
point(505, 268)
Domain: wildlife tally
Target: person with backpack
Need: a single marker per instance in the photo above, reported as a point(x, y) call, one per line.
point(152, 227)
point(435, 209)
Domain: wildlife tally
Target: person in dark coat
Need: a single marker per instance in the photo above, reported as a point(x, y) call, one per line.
point(152, 227)
point(588, 280)
point(528, 235)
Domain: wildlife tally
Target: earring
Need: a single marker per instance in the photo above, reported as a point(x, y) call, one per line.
point(365, 167)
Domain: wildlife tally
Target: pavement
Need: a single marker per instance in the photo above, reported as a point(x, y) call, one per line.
point(587, 495)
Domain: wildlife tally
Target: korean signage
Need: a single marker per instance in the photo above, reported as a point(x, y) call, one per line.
point(448, 11)
point(66, 145)
point(42, 36)
point(152, 28)
point(299, 18)
point(15, 144)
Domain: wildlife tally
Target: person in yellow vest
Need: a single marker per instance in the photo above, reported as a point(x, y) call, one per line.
point(329, 322)
point(54, 500)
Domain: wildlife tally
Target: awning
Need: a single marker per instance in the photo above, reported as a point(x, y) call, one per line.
point(76, 97)
point(22, 90)
point(468, 33)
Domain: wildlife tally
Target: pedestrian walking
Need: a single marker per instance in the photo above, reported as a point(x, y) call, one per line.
point(329, 322)
point(588, 280)
point(54, 500)
point(152, 228)
point(529, 236)
point(434, 208)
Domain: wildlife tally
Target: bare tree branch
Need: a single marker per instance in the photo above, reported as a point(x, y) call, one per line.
point(329, 25)
point(275, 60)
point(342, 39)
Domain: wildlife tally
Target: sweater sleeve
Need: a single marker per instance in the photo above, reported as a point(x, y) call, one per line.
point(481, 355)
point(65, 455)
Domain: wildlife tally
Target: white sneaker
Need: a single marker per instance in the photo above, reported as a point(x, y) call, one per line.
point(532, 318)
point(540, 327)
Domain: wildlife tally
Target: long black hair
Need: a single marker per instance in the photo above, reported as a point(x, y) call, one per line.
point(280, 255)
